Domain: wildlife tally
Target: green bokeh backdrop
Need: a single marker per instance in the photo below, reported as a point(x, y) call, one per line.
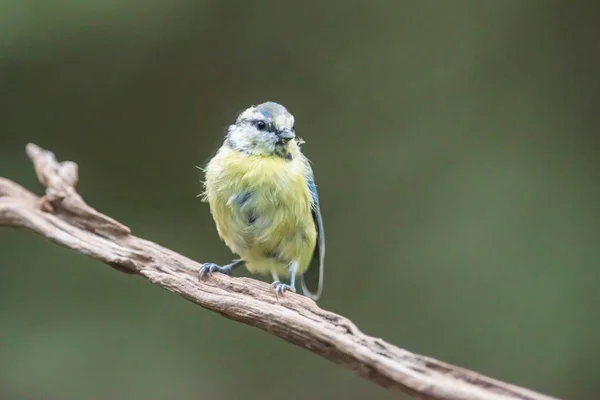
point(456, 152)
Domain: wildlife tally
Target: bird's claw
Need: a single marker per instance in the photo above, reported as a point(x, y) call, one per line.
point(209, 268)
point(282, 287)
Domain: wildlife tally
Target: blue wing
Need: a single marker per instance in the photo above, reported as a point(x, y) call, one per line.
point(312, 279)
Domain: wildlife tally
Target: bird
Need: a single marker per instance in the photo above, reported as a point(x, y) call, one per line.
point(264, 201)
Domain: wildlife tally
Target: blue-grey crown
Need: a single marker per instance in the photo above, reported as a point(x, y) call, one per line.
point(271, 109)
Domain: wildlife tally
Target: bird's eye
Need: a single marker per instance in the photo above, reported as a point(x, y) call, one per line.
point(261, 125)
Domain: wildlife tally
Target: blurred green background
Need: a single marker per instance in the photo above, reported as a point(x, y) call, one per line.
point(456, 152)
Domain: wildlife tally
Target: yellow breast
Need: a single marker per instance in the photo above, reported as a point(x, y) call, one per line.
point(262, 208)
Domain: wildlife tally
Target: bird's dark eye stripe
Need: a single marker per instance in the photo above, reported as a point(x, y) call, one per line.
point(269, 127)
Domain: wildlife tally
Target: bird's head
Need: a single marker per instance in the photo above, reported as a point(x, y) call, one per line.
point(266, 129)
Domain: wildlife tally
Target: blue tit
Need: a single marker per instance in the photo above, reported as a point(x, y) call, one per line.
point(264, 201)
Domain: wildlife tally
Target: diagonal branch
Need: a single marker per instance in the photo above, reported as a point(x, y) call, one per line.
point(64, 218)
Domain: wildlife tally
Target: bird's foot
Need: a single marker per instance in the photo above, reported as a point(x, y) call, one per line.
point(282, 287)
point(209, 268)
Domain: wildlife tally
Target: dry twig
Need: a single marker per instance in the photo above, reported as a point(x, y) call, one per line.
point(64, 218)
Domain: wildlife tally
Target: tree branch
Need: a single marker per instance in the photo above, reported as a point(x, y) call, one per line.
point(64, 218)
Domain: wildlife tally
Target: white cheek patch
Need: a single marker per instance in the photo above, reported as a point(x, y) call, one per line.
point(250, 140)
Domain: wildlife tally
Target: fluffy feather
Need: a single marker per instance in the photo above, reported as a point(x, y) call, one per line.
point(263, 198)
point(279, 203)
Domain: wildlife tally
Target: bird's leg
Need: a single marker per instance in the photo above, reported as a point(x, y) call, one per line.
point(282, 287)
point(208, 268)
point(275, 276)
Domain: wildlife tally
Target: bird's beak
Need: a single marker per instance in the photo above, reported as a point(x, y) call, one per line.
point(285, 135)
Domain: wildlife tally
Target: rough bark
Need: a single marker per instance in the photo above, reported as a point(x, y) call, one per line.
point(63, 217)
